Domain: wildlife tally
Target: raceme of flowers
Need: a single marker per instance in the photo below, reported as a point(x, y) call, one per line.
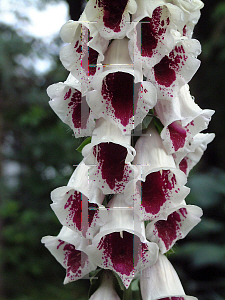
point(124, 206)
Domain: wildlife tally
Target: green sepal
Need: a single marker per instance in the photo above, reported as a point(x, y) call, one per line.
point(93, 275)
point(127, 294)
point(83, 144)
point(169, 252)
point(95, 281)
point(151, 112)
point(136, 291)
point(147, 120)
point(119, 281)
point(107, 198)
point(118, 286)
point(133, 292)
point(146, 223)
point(159, 126)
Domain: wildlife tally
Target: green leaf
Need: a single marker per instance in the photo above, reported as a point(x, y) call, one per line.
point(83, 144)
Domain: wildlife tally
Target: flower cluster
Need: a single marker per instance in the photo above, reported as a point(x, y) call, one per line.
point(124, 207)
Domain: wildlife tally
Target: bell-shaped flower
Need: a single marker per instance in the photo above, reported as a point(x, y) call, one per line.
point(161, 282)
point(159, 184)
point(186, 160)
point(190, 21)
point(84, 50)
point(151, 35)
point(175, 69)
point(182, 119)
point(109, 156)
point(69, 249)
point(189, 5)
point(68, 102)
point(121, 245)
point(177, 224)
point(191, 15)
point(111, 18)
point(71, 205)
point(120, 96)
point(106, 289)
point(81, 182)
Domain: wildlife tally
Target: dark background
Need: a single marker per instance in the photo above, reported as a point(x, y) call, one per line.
point(41, 151)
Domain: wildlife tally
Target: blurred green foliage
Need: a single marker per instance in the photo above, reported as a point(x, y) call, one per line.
point(40, 152)
point(200, 257)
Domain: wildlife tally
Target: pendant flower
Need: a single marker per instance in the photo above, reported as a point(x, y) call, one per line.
point(177, 224)
point(109, 155)
point(69, 249)
point(187, 159)
point(121, 245)
point(182, 119)
point(72, 207)
point(175, 69)
point(68, 102)
point(161, 282)
point(84, 50)
point(126, 58)
point(189, 5)
point(111, 18)
point(191, 10)
point(120, 96)
point(159, 184)
point(151, 34)
point(106, 289)
point(80, 181)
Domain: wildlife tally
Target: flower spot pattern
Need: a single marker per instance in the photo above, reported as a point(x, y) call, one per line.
point(153, 30)
point(113, 11)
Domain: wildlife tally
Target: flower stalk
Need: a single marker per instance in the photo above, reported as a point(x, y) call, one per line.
point(130, 63)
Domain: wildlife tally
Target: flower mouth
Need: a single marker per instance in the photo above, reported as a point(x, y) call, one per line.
point(113, 12)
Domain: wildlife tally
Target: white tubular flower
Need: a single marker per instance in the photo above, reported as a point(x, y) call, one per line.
point(111, 18)
point(190, 23)
point(189, 5)
point(71, 107)
point(120, 96)
point(121, 245)
point(179, 221)
point(106, 289)
point(182, 119)
point(191, 15)
point(126, 58)
point(159, 185)
point(84, 50)
point(109, 156)
point(71, 205)
point(185, 161)
point(80, 182)
point(175, 69)
point(151, 35)
point(161, 282)
point(69, 249)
